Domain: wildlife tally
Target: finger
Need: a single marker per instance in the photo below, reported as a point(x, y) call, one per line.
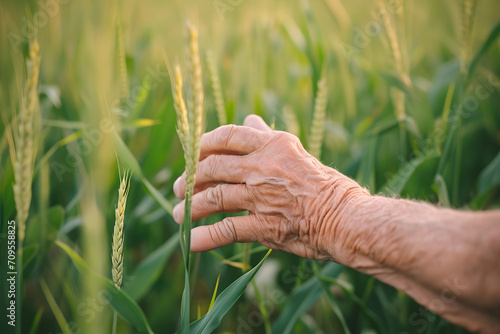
point(221, 198)
point(256, 122)
point(215, 169)
point(232, 139)
point(223, 233)
point(197, 187)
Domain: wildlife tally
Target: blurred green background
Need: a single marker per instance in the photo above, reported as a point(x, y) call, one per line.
point(389, 67)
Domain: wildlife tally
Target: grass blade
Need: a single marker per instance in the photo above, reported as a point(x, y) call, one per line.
point(129, 161)
point(148, 271)
point(394, 80)
point(214, 294)
point(262, 308)
point(63, 324)
point(302, 299)
point(495, 32)
point(118, 299)
point(29, 253)
point(372, 317)
point(36, 321)
point(408, 172)
point(442, 190)
point(490, 176)
point(331, 299)
point(210, 321)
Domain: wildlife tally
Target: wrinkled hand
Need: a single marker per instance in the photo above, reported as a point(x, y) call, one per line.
point(295, 203)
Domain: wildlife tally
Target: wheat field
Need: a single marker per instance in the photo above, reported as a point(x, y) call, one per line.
point(103, 104)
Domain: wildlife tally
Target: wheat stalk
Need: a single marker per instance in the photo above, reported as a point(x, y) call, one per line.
point(117, 257)
point(189, 129)
point(216, 87)
point(393, 39)
point(468, 13)
point(122, 61)
point(398, 96)
point(292, 125)
point(24, 151)
point(318, 122)
point(338, 10)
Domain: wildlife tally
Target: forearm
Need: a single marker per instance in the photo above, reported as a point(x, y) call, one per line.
point(446, 260)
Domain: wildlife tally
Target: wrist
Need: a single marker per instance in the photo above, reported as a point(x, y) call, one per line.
point(374, 234)
point(361, 230)
point(335, 211)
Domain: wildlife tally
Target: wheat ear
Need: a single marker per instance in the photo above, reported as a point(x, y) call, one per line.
point(24, 151)
point(180, 108)
point(318, 122)
point(118, 236)
point(195, 111)
point(217, 90)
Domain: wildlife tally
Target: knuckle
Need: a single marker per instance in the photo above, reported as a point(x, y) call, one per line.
point(214, 197)
point(224, 133)
point(293, 139)
point(223, 232)
point(210, 166)
point(229, 229)
point(232, 130)
point(288, 139)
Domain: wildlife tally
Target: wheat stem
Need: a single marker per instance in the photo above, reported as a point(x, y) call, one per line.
point(189, 124)
point(393, 40)
point(468, 13)
point(115, 321)
point(122, 61)
point(292, 125)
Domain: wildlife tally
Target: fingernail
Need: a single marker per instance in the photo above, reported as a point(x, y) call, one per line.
point(194, 240)
point(178, 213)
point(177, 184)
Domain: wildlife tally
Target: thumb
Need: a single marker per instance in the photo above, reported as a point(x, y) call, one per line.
point(256, 122)
point(223, 233)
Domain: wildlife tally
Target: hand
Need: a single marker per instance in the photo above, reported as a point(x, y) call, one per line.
point(295, 203)
point(298, 205)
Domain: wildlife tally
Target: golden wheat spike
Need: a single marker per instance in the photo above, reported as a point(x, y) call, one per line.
point(217, 90)
point(180, 108)
point(195, 109)
point(118, 235)
point(318, 122)
point(24, 151)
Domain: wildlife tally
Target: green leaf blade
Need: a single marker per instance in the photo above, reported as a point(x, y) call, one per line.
point(302, 299)
point(210, 321)
point(148, 271)
point(118, 299)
